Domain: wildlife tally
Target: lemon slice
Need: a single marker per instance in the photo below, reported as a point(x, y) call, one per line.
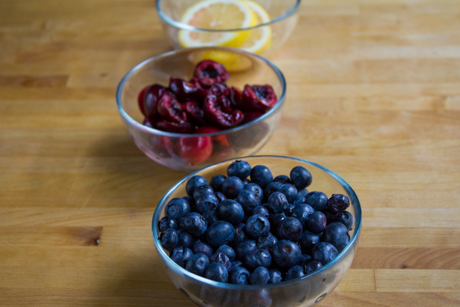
point(217, 15)
point(260, 38)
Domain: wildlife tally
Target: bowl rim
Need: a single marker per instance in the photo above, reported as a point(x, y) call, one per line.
point(143, 128)
point(183, 26)
point(353, 241)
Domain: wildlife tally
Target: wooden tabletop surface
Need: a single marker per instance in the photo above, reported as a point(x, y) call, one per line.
point(373, 94)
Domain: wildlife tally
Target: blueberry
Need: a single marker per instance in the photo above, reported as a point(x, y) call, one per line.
point(276, 218)
point(271, 188)
point(302, 192)
point(330, 217)
point(237, 263)
point(282, 179)
point(256, 189)
point(266, 242)
point(324, 252)
point(240, 169)
point(260, 210)
point(238, 275)
point(278, 202)
point(246, 181)
point(191, 202)
point(248, 200)
point(194, 182)
point(240, 235)
point(220, 233)
point(299, 200)
point(317, 222)
point(243, 248)
point(312, 266)
point(216, 271)
point(337, 203)
point(195, 224)
point(290, 229)
point(220, 196)
point(318, 200)
point(308, 241)
point(256, 258)
point(231, 211)
point(304, 260)
point(289, 191)
point(296, 271)
point(302, 212)
point(227, 250)
point(232, 186)
point(177, 208)
point(286, 254)
point(185, 239)
point(261, 175)
point(207, 202)
point(202, 190)
point(216, 182)
point(300, 177)
point(337, 234)
point(210, 217)
point(166, 223)
point(202, 248)
point(197, 264)
point(169, 239)
point(181, 255)
point(289, 209)
point(222, 259)
point(257, 226)
point(260, 276)
point(343, 217)
point(275, 276)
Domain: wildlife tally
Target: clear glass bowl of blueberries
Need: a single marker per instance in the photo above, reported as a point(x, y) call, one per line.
point(258, 231)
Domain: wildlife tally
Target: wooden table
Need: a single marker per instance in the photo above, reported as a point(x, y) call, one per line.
point(374, 94)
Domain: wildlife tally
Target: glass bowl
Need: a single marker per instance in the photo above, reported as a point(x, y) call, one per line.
point(305, 291)
point(269, 34)
point(163, 147)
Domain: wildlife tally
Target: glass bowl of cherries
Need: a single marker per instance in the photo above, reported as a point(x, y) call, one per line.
point(258, 231)
point(189, 108)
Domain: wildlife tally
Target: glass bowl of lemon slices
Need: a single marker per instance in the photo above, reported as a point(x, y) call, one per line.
point(256, 26)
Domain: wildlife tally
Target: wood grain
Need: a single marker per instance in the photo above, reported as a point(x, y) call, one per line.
point(373, 94)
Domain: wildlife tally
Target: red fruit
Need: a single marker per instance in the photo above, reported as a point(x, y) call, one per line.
point(219, 139)
point(209, 72)
point(214, 114)
point(140, 100)
point(147, 123)
point(250, 116)
point(194, 112)
point(151, 96)
point(236, 97)
point(184, 90)
point(259, 98)
point(170, 109)
point(183, 127)
point(219, 89)
point(195, 150)
point(162, 146)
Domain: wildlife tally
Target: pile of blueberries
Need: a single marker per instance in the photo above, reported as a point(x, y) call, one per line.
point(251, 228)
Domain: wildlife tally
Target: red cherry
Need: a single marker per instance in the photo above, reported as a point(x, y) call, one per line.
point(250, 116)
point(214, 111)
point(259, 98)
point(195, 150)
point(209, 72)
point(182, 127)
point(219, 139)
point(170, 109)
point(140, 100)
point(151, 96)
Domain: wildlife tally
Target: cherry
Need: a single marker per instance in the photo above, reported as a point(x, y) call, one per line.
point(147, 123)
point(194, 112)
point(259, 97)
point(150, 100)
point(250, 116)
point(209, 72)
point(195, 150)
point(186, 90)
point(236, 97)
point(140, 100)
point(219, 139)
point(170, 109)
point(215, 112)
point(182, 127)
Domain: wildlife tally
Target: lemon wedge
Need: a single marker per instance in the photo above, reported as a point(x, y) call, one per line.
point(217, 15)
point(260, 38)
